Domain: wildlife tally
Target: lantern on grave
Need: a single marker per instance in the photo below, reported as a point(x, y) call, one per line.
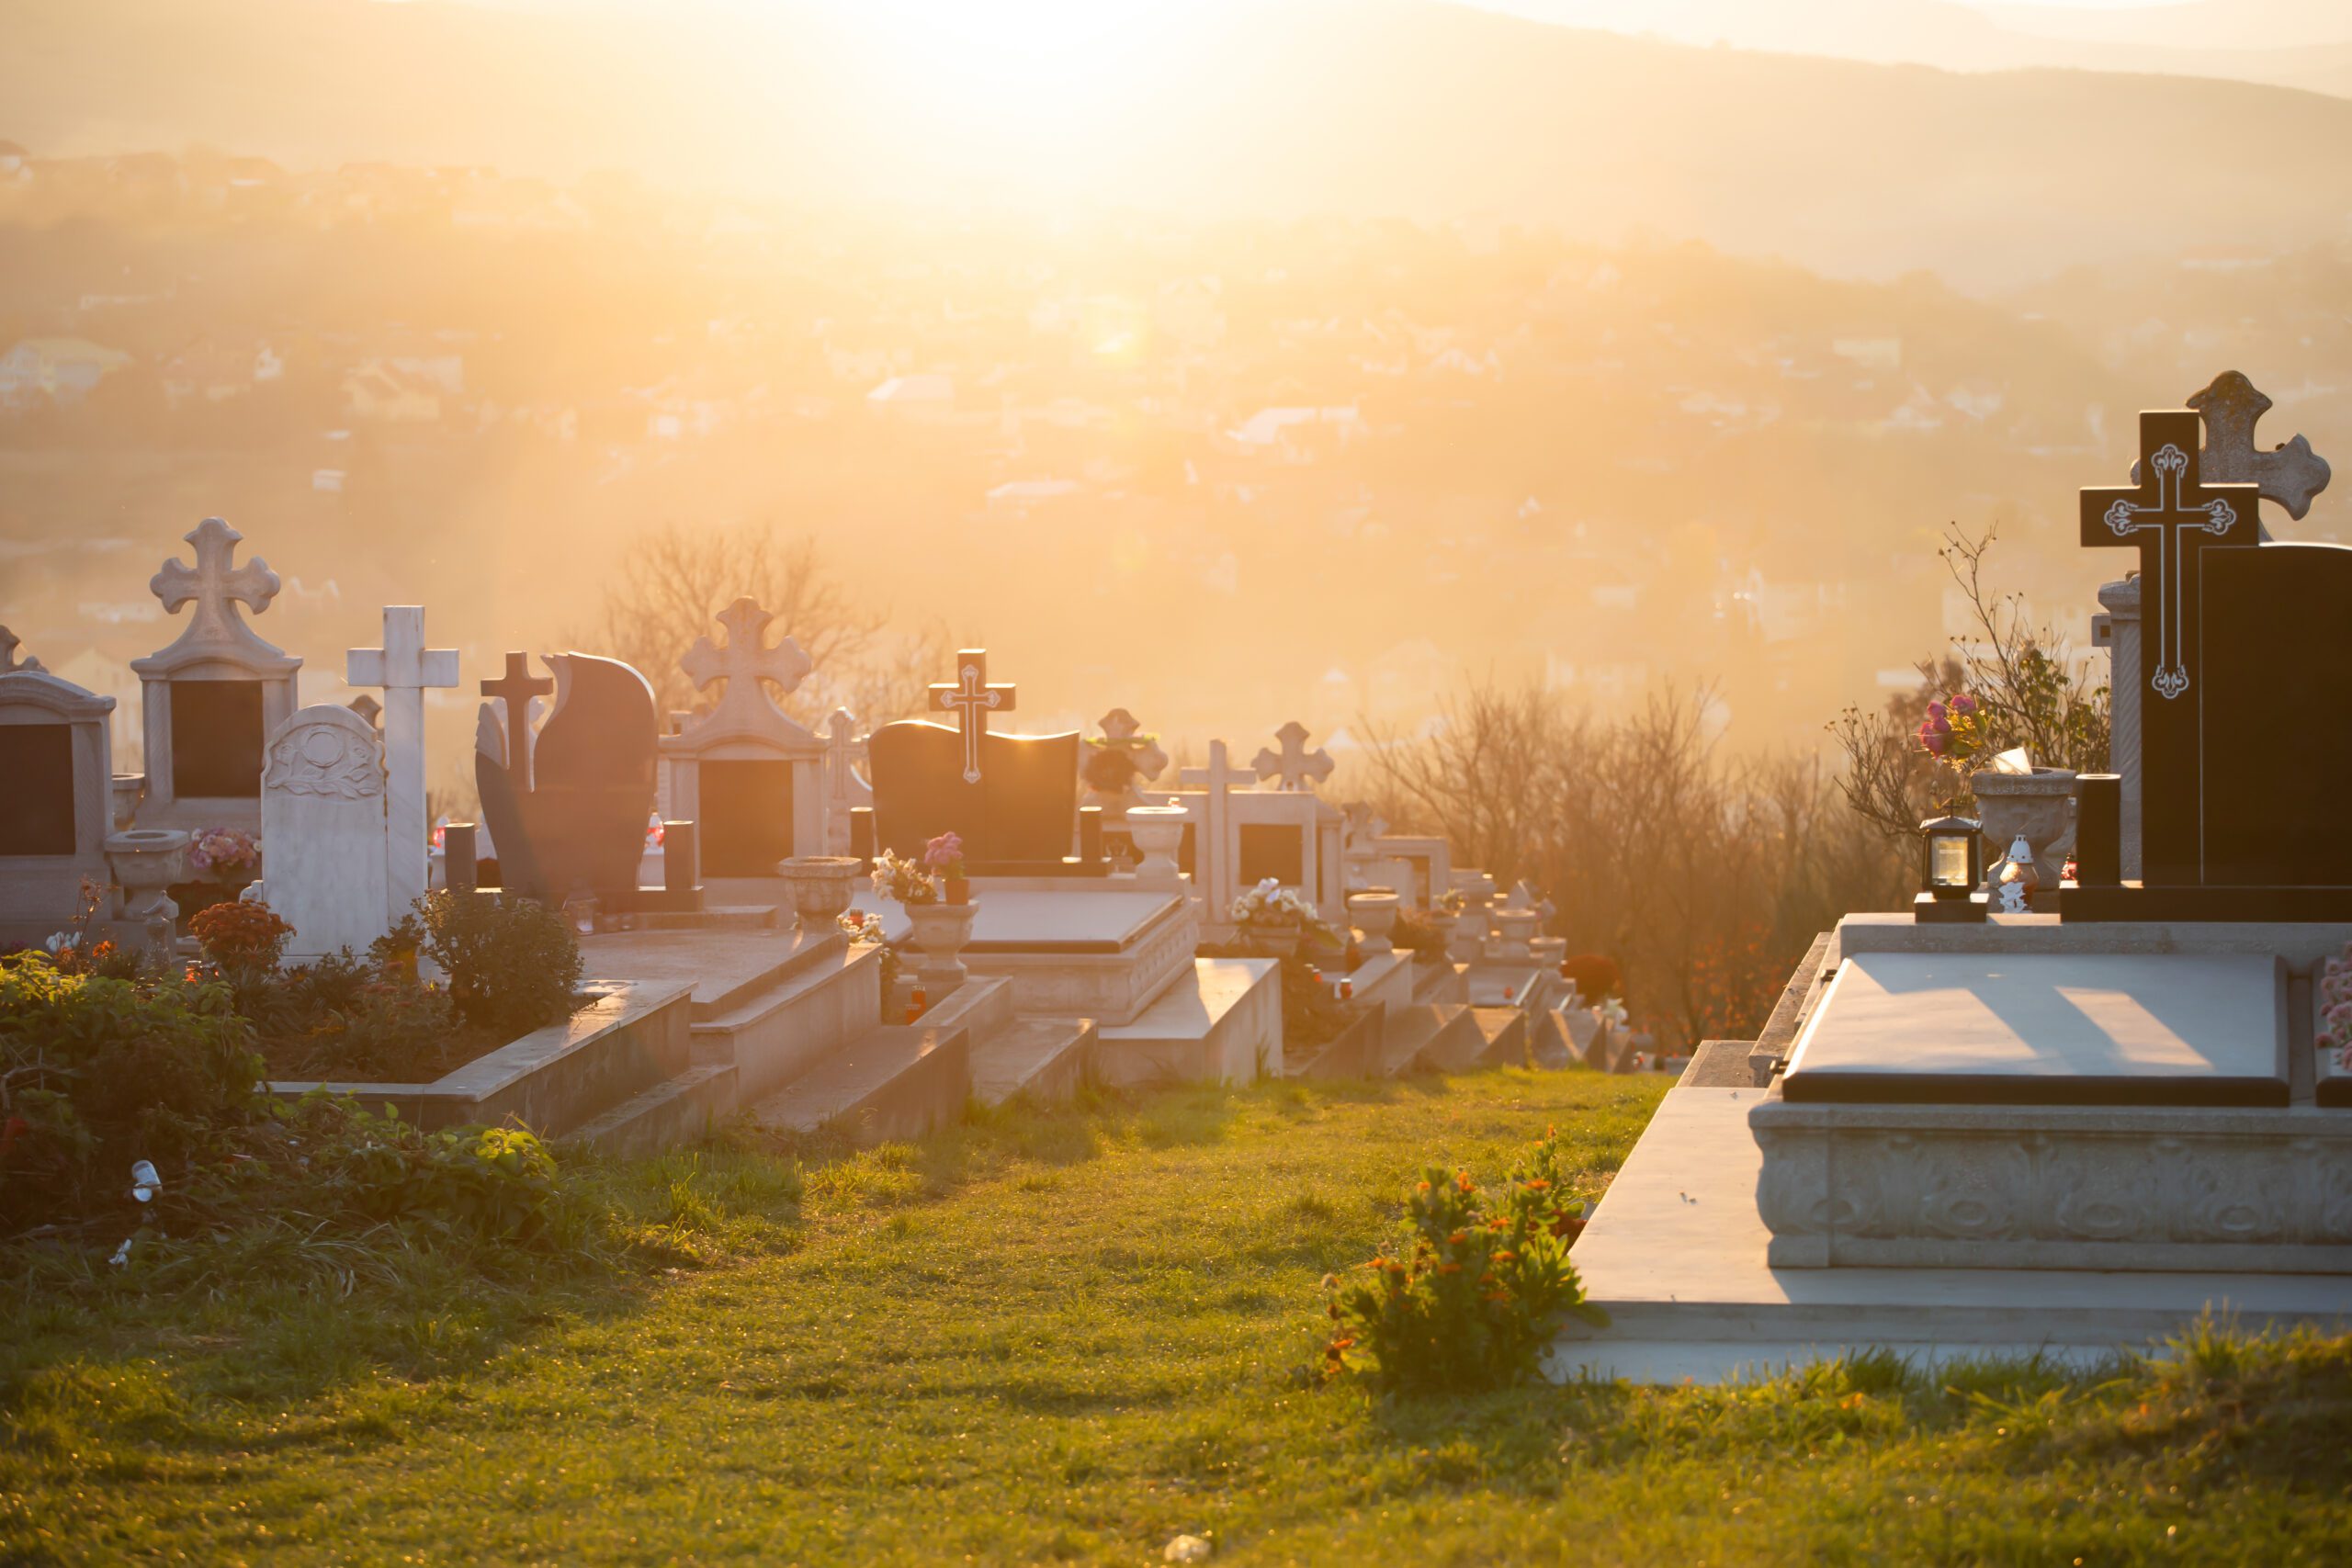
point(1951, 867)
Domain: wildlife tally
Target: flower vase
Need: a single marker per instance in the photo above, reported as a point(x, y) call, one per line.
point(1274, 938)
point(1156, 832)
point(145, 863)
point(1374, 915)
point(940, 932)
point(958, 889)
point(2036, 805)
point(819, 889)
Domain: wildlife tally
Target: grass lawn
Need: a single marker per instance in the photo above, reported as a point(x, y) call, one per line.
point(1068, 1335)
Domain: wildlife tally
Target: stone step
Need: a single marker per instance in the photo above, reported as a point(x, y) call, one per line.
point(797, 1023)
point(1045, 1058)
point(1504, 1032)
point(1430, 1038)
point(1221, 1023)
point(714, 917)
point(1354, 1053)
point(894, 1082)
point(678, 1111)
point(1548, 1042)
point(1439, 983)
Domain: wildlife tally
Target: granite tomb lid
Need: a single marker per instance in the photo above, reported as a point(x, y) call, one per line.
point(2047, 1028)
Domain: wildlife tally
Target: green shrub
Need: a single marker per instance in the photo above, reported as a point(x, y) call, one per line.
point(97, 1072)
point(471, 1183)
point(1419, 935)
point(1482, 1292)
point(513, 964)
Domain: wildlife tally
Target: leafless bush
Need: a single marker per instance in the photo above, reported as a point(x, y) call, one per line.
point(674, 581)
point(1704, 874)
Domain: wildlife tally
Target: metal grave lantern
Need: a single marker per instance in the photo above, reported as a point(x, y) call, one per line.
point(1952, 869)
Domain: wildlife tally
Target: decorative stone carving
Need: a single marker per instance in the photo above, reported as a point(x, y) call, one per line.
point(322, 812)
point(1295, 765)
point(2290, 475)
point(210, 700)
point(1118, 763)
point(9, 663)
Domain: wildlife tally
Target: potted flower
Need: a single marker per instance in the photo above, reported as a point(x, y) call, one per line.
point(944, 857)
point(941, 929)
point(222, 863)
point(1273, 917)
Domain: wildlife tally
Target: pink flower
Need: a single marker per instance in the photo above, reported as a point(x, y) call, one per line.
point(1936, 712)
point(1932, 741)
point(1940, 726)
point(1963, 704)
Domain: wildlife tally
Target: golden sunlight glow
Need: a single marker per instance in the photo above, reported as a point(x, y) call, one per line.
point(1011, 63)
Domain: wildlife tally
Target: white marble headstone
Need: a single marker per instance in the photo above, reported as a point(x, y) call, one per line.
point(322, 804)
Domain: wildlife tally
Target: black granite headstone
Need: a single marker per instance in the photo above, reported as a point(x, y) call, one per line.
point(1024, 810)
point(1275, 849)
point(216, 739)
point(37, 806)
point(746, 816)
point(593, 778)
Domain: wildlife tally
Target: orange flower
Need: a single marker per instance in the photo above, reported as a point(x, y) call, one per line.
point(1420, 1187)
point(1449, 1267)
point(1461, 1180)
point(1506, 1257)
point(1458, 1238)
point(1538, 1185)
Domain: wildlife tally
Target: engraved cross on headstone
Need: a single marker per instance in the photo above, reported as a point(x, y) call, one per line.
point(1297, 766)
point(2170, 517)
point(9, 663)
point(972, 699)
point(517, 687)
point(213, 585)
point(744, 663)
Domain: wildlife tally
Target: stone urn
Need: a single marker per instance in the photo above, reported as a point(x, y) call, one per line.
point(2038, 805)
point(129, 790)
point(1157, 831)
point(1514, 929)
point(1548, 951)
point(819, 889)
point(1473, 924)
point(1374, 914)
point(1273, 939)
point(144, 863)
point(940, 932)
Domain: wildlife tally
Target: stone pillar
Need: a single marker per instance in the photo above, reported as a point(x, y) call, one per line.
point(2121, 636)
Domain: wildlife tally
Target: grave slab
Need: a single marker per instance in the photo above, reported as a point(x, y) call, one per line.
point(1224, 1024)
point(2046, 1029)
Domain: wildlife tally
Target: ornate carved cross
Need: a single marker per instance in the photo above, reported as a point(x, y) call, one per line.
point(213, 585)
point(2290, 475)
point(1297, 766)
point(2171, 517)
point(1119, 726)
point(972, 699)
point(518, 686)
point(744, 663)
point(9, 663)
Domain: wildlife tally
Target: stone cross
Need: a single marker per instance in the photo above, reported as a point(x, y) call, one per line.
point(213, 585)
point(1295, 765)
point(1120, 726)
point(744, 663)
point(518, 686)
point(972, 699)
point(2170, 516)
point(403, 669)
point(2290, 475)
point(9, 663)
point(1214, 847)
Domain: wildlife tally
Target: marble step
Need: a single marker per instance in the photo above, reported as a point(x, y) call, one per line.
point(674, 1112)
point(1045, 1058)
point(895, 1082)
point(1430, 1038)
point(1504, 1032)
point(1356, 1053)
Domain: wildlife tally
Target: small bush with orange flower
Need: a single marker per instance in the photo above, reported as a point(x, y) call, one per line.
point(1480, 1290)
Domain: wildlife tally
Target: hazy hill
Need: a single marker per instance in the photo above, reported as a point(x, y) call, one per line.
point(1284, 108)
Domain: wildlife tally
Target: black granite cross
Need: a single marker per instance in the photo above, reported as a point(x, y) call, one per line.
point(518, 686)
point(972, 699)
point(2172, 518)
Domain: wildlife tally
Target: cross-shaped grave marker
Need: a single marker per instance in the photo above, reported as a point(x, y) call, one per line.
point(214, 586)
point(403, 669)
point(9, 663)
point(972, 699)
point(744, 662)
point(2172, 517)
point(2290, 475)
point(1297, 766)
point(1214, 847)
point(1120, 727)
point(517, 687)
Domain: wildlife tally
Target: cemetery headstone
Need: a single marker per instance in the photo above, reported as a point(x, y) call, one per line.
point(55, 809)
point(578, 830)
point(1011, 798)
point(324, 801)
point(2246, 655)
point(752, 778)
point(403, 669)
point(210, 701)
point(1295, 765)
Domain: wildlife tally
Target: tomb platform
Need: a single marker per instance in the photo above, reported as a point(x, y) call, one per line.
point(1679, 1255)
point(1098, 951)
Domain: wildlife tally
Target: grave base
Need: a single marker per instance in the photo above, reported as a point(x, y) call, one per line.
point(1676, 1254)
point(1222, 1022)
point(2133, 901)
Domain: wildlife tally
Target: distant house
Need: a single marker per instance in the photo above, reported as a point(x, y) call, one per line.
point(380, 389)
point(13, 162)
point(210, 372)
point(62, 369)
point(913, 393)
point(1295, 434)
point(1018, 497)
